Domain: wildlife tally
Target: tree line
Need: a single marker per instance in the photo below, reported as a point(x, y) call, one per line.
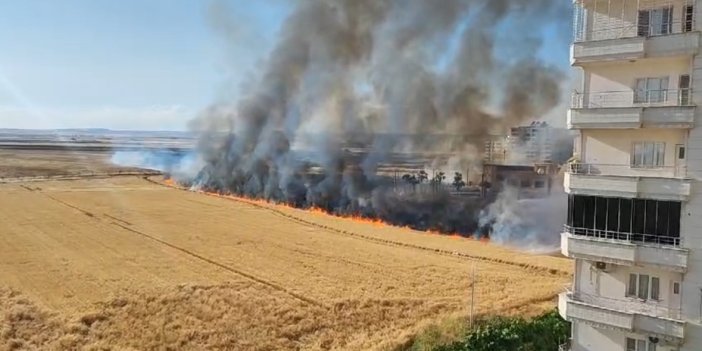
point(422, 177)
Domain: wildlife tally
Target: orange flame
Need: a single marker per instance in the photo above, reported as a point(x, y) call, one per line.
point(319, 211)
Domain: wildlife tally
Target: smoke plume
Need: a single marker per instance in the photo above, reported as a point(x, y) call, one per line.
point(356, 89)
point(530, 224)
point(177, 164)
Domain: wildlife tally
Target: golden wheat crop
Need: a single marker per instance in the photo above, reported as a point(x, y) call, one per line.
point(126, 263)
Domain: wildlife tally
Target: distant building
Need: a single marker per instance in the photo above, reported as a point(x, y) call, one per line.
point(537, 143)
point(528, 158)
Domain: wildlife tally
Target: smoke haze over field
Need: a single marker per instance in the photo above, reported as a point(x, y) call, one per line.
point(531, 224)
point(385, 76)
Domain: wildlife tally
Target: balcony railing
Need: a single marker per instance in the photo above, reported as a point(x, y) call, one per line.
point(633, 238)
point(626, 170)
point(652, 308)
point(632, 98)
point(630, 30)
point(613, 23)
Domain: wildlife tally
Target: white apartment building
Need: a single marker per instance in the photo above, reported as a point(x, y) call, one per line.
point(634, 223)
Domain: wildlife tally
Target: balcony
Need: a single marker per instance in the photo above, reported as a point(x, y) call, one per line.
point(634, 48)
point(631, 109)
point(659, 183)
point(627, 249)
point(624, 315)
point(604, 31)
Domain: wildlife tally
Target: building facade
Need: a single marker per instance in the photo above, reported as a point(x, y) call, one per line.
point(634, 226)
point(537, 143)
point(527, 159)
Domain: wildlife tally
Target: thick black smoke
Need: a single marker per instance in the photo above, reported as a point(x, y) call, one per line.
point(353, 85)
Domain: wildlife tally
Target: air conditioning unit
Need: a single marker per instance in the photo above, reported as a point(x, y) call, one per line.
point(604, 266)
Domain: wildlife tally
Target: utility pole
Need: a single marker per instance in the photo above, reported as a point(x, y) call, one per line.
point(472, 295)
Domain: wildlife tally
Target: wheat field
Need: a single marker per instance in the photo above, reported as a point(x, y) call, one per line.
point(127, 263)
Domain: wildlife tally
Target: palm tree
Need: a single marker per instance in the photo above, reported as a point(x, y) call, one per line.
point(422, 176)
point(411, 179)
point(438, 179)
point(458, 182)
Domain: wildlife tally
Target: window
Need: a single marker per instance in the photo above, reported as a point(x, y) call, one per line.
point(648, 154)
point(631, 289)
point(525, 183)
point(651, 90)
point(634, 220)
point(643, 286)
point(655, 284)
point(639, 345)
point(676, 288)
point(681, 153)
point(539, 184)
point(655, 22)
point(688, 23)
point(684, 90)
point(630, 344)
point(581, 15)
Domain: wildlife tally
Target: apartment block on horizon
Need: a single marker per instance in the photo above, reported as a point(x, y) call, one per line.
point(527, 159)
point(634, 225)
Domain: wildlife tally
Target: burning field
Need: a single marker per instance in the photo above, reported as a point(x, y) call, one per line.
point(129, 263)
point(283, 242)
point(350, 86)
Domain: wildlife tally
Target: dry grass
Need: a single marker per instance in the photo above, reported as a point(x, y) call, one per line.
point(124, 263)
point(30, 163)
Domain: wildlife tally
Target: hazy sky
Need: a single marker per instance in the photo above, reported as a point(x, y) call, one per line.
point(134, 64)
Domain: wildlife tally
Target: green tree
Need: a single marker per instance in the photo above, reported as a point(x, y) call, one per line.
point(458, 182)
point(411, 179)
point(422, 176)
point(543, 333)
point(438, 180)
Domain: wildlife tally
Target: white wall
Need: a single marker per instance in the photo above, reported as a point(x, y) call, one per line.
point(587, 338)
point(607, 20)
point(621, 76)
point(614, 147)
point(693, 337)
point(691, 219)
point(612, 285)
point(691, 224)
point(618, 18)
point(694, 154)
